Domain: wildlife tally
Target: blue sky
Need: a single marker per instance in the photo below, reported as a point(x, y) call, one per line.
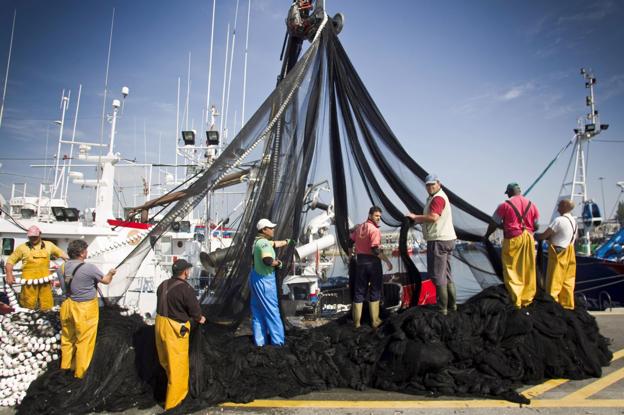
point(481, 92)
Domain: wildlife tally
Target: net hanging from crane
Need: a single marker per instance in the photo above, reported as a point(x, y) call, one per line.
point(320, 112)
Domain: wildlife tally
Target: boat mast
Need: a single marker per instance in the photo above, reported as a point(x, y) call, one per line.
point(104, 200)
point(6, 76)
point(245, 64)
point(227, 48)
point(57, 176)
point(589, 127)
point(110, 44)
point(229, 83)
point(73, 139)
point(214, 5)
point(188, 92)
point(177, 131)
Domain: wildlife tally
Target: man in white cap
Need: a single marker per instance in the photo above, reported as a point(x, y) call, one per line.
point(438, 231)
point(35, 256)
point(266, 322)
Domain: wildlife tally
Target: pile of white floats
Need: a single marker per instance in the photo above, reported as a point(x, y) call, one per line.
point(29, 341)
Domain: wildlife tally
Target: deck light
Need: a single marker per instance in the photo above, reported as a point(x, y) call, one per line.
point(212, 138)
point(188, 137)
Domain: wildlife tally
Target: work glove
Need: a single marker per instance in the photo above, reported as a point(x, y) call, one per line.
point(291, 242)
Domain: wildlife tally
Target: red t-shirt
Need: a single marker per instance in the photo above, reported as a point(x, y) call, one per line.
point(506, 216)
point(366, 236)
point(437, 205)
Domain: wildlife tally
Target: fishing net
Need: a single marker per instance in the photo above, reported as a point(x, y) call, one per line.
point(486, 349)
point(320, 120)
point(319, 123)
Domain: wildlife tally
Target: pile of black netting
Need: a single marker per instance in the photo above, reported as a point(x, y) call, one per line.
point(486, 349)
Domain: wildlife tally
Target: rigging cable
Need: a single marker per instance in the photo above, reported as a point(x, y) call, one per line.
point(548, 167)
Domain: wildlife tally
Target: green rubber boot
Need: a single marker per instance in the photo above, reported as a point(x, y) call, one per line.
point(442, 298)
point(452, 296)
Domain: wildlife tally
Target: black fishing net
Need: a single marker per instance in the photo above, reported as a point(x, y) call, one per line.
point(320, 122)
point(486, 349)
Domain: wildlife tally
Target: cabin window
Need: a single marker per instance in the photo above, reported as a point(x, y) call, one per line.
point(8, 244)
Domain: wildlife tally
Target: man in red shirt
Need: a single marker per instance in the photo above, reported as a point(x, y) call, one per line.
point(438, 231)
point(368, 250)
point(518, 218)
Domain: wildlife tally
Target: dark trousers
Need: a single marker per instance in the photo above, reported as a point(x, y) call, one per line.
point(439, 255)
point(368, 273)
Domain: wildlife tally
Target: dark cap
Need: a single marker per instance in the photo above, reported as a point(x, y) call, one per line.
point(512, 188)
point(179, 266)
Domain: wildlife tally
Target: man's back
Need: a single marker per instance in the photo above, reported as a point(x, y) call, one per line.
point(366, 236)
point(515, 221)
point(178, 302)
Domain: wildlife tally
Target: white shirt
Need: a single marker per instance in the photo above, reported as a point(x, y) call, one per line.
point(564, 230)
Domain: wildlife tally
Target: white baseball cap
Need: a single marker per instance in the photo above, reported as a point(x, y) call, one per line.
point(432, 178)
point(265, 223)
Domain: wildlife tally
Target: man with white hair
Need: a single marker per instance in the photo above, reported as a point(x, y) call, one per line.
point(35, 256)
point(561, 272)
point(266, 322)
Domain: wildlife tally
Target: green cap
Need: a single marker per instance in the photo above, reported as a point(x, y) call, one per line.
point(512, 188)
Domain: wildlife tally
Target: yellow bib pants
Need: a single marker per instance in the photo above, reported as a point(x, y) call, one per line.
point(40, 294)
point(561, 275)
point(518, 257)
point(173, 354)
point(79, 322)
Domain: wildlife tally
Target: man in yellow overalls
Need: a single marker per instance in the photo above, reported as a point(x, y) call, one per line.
point(35, 256)
point(561, 272)
point(80, 311)
point(518, 217)
point(176, 305)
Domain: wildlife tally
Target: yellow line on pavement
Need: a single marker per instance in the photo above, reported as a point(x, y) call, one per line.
point(597, 386)
point(433, 403)
point(542, 388)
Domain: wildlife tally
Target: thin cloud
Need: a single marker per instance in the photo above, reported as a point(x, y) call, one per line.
point(594, 12)
point(613, 87)
point(561, 29)
point(267, 7)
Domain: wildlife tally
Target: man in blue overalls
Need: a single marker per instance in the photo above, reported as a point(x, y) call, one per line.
point(266, 322)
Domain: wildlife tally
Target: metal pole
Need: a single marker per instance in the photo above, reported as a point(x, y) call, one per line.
point(188, 92)
point(245, 65)
point(227, 48)
point(177, 131)
point(214, 5)
point(71, 150)
point(113, 126)
point(6, 76)
point(227, 100)
point(110, 44)
point(64, 101)
point(604, 205)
